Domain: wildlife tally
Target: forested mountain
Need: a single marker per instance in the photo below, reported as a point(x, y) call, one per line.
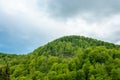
point(66, 58)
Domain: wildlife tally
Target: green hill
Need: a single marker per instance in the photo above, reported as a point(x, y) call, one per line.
point(66, 58)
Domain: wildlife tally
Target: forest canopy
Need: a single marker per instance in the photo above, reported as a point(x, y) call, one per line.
point(66, 58)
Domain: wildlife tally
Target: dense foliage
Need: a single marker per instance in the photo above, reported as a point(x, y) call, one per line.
point(66, 58)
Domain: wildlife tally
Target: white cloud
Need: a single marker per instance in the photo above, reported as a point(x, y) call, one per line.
point(118, 42)
point(16, 7)
point(41, 21)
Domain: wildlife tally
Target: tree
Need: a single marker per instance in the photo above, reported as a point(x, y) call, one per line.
point(5, 72)
point(1, 74)
point(115, 74)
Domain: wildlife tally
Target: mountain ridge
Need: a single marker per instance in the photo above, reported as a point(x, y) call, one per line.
point(80, 41)
point(65, 38)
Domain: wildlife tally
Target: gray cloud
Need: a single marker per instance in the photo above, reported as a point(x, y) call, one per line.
point(70, 8)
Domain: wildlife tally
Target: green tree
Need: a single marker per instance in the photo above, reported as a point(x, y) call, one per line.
point(115, 74)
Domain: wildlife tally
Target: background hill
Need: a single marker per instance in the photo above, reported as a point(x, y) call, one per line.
point(66, 58)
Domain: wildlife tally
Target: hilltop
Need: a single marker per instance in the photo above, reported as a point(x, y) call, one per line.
point(68, 43)
point(66, 58)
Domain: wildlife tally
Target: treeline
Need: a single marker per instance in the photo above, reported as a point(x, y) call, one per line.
point(67, 58)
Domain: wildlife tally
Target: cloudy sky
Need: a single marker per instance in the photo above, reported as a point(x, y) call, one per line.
point(28, 24)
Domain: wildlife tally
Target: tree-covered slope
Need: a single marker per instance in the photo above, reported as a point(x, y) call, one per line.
point(66, 58)
point(68, 44)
